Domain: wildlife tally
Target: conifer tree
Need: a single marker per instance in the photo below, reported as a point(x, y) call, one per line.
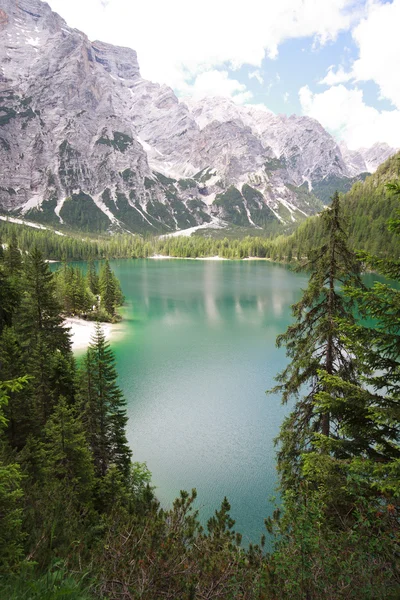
point(369, 409)
point(314, 344)
point(18, 409)
point(12, 256)
point(9, 298)
point(67, 456)
point(103, 407)
point(11, 513)
point(92, 278)
point(107, 289)
point(40, 313)
point(45, 339)
point(110, 290)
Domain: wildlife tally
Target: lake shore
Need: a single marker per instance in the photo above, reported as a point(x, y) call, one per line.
point(82, 332)
point(164, 256)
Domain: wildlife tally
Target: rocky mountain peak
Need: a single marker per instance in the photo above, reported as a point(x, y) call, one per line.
point(117, 61)
point(86, 142)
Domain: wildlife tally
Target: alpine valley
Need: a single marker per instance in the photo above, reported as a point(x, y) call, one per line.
point(87, 143)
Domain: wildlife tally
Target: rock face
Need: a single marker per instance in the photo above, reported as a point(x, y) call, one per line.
point(86, 142)
point(366, 159)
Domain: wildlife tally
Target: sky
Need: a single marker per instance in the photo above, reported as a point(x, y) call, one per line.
point(335, 60)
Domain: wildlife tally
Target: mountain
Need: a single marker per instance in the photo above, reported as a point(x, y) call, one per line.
point(365, 160)
point(87, 143)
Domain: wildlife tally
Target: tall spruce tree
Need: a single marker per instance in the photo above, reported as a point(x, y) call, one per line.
point(369, 410)
point(314, 344)
point(11, 493)
point(92, 278)
point(12, 256)
point(40, 313)
point(66, 454)
point(110, 291)
point(103, 407)
point(107, 289)
point(9, 298)
point(45, 339)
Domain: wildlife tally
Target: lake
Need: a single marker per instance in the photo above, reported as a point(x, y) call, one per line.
point(198, 354)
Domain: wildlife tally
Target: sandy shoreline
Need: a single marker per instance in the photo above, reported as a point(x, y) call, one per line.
point(163, 257)
point(82, 331)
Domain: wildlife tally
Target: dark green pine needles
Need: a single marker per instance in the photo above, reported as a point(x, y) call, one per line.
point(314, 343)
point(103, 406)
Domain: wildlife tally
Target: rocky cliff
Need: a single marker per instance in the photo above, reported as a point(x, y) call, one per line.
point(86, 142)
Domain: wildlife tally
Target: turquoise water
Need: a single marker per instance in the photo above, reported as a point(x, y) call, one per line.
point(198, 354)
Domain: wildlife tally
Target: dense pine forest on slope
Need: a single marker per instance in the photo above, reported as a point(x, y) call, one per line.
point(79, 519)
point(367, 208)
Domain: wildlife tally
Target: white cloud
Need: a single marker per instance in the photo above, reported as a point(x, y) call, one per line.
point(256, 75)
point(286, 97)
point(345, 114)
point(379, 42)
point(176, 41)
point(333, 78)
point(217, 83)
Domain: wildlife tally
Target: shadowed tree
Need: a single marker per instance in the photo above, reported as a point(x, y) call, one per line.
point(314, 343)
point(103, 406)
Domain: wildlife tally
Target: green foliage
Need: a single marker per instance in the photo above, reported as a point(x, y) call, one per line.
point(9, 114)
point(132, 216)
point(187, 184)
point(338, 535)
point(66, 455)
point(274, 164)
point(198, 207)
point(120, 141)
point(81, 212)
point(45, 214)
point(149, 183)
point(12, 256)
point(91, 297)
point(73, 291)
point(315, 558)
point(79, 520)
point(11, 493)
point(367, 208)
point(39, 317)
point(261, 214)
point(184, 218)
point(175, 558)
point(163, 179)
point(110, 290)
point(325, 188)
point(314, 344)
point(103, 408)
point(232, 206)
point(55, 584)
point(204, 175)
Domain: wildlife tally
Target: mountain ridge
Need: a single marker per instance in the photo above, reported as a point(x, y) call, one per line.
point(86, 142)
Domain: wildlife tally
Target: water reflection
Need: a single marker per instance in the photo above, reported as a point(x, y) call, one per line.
point(248, 298)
